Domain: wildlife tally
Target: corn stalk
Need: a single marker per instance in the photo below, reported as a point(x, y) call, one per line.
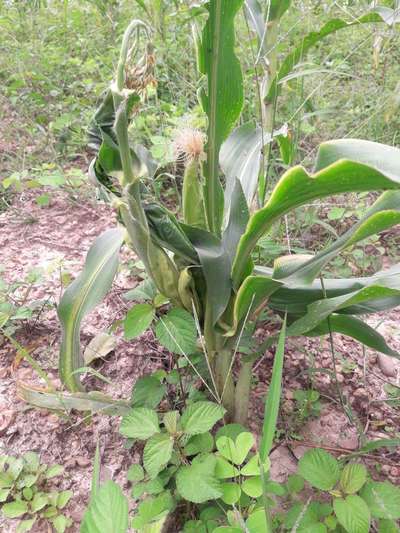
point(202, 258)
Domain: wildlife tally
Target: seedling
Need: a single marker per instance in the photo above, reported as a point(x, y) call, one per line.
point(25, 492)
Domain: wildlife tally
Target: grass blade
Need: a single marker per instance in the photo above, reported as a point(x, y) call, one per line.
point(96, 472)
point(273, 398)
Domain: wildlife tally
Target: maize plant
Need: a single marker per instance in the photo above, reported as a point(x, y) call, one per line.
point(202, 257)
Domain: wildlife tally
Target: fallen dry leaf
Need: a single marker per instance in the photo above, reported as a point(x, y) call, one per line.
point(6, 417)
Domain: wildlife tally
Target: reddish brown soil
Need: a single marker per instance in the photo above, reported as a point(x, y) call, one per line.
point(31, 236)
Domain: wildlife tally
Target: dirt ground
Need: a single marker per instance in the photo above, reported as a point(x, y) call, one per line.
point(31, 236)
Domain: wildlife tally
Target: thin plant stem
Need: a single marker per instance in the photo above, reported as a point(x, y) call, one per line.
point(189, 361)
point(333, 355)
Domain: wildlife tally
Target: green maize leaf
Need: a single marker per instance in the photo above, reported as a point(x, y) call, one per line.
point(192, 196)
point(79, 401)
point(241, 156)
point(252, 293)
point(166, 231)
point(256, 19)
point(224, 99)
point(273, 399)
point(216, 267)
point(103, 122)
point(103, 140)
point(81, 296)
point(240, 159)
point(187, 291)
point(355, 328)
point(294, 300)
point(311, 40)
point(107, 511)
point(384, 214)
point(277, 9)
point(384, 158)
point(158, 265)
point(297, 187)
point(237, 220)
point(389, 15)
point(320, 310)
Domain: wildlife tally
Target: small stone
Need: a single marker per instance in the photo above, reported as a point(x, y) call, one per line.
point(83, 461)
point(53, 420)
point(24, 373)
point(289, 395)
point(56, 383)
point(76, 515)
point(389, 366)
point(340, 378)
point(386, 469)
point(70, 463)
point(360, 393)
point(350, 443)
point(287, 406)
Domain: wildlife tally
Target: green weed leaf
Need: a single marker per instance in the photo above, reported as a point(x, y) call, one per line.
point(152, 510)
point(383, 499)
point(157, 453)
point(135, 473)
point(25, 525)
point(200, 417)
point(32, 461)
point(15, 509)
point(353, 514)
point(197, 483)
point(388, 526)
point(140, 423)
point(252, 486)
point(40, 500)
point(224, 469)
point(148, 391)
point(137, 320)
point(54, 471)
point(60, 523)
point(320, 469)
point(237, 451)
point(202, 443)
point(230, 493)
point(107, 511)
point(176, 331)
point(63, 498)
point(353, 478)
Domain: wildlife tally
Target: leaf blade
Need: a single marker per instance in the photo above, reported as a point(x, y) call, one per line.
point(88, 289)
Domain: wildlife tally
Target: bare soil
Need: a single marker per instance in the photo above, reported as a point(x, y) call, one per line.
point(57, 238)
